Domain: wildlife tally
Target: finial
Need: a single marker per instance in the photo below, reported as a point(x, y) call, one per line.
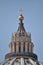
point(21, 11)
point(21, 18)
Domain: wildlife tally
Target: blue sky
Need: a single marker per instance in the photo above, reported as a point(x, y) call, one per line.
point(33, 22)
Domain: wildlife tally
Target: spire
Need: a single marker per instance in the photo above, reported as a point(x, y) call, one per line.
point(21, 29)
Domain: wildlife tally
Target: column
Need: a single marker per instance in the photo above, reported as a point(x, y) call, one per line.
point(13, 47)
point(22, 47)
point(30, 47)
point(26, 46)
point(17, 47)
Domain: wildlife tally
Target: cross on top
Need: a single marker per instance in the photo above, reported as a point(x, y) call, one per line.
point(21, 11)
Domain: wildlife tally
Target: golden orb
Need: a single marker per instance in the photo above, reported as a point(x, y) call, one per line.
point(21, 17)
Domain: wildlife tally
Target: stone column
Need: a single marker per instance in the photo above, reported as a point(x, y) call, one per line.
point(13, 47)
point(30, 47)
point(17, 47)
point(22, 46)
point(26, 46)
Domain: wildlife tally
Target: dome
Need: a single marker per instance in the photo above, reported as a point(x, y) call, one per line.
point(21, 61)
point(21, 48)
